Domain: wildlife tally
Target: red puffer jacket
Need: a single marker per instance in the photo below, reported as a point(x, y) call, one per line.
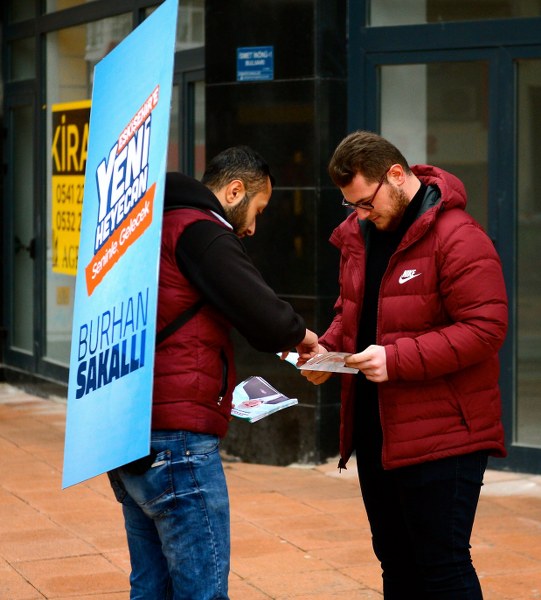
point(194, 369)
point(442, 318)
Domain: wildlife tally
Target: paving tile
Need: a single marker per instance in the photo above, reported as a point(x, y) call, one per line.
point(265, 505)
point(113, 596)
point(119, 558)
point(39, 476)
point(312, 531)
point(41, 543)
point(104, 530)
point(59, 501)
point(284, 560)
point(517, 546)
point(20, 517)
point(351, 506)
point(512, 586)
point(367, 573)
point(289, 585)
point(13, 586)
point(248, 540)
point(360, 594)
point(99, 485)
point(349, 554)
point(58, 578)
point(244, 590)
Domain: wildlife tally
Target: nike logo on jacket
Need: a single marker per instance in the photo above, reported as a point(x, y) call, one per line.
point(407, 275)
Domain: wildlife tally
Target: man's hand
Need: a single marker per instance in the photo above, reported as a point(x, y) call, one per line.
point(315, 377)
point(308, 347)
point(372, 362)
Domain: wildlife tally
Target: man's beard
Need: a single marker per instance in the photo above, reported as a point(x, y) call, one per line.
point(236, 215)
point(400, 203)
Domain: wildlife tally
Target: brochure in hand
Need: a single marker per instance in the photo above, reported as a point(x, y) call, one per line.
point(331, 362)
point(255, 398)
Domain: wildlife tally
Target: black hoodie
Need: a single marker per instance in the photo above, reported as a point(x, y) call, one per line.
point(215, 261)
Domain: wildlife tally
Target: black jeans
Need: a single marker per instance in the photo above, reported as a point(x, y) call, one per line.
point(421, 519)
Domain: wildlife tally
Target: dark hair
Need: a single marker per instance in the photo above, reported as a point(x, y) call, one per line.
point(365, 153)
point(238, 162)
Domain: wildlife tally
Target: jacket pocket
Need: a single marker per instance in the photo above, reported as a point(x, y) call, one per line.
point(457, 403)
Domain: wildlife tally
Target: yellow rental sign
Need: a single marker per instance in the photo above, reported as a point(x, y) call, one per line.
point(68, 156)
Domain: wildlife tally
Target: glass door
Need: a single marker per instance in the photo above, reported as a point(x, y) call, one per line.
point(527, 432)
point(20, 240)
point(437, 112)
point(187, 125)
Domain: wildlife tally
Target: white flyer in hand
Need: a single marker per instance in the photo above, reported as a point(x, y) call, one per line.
point(330, 362)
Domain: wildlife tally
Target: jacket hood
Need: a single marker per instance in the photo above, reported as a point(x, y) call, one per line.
point(182, 191)
point(444, 190)
point(452, 190)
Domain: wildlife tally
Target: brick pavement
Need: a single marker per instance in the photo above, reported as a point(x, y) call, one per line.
point(298, 532)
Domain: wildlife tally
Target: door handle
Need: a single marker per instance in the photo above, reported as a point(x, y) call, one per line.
point(31, 248)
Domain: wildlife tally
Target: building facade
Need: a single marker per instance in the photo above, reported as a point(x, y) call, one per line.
point(454, 83)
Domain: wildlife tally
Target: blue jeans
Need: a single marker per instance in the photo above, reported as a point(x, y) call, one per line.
point(421, 518)
point(177, 520)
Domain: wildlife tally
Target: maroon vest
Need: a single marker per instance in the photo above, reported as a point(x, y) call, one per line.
point(194, 370)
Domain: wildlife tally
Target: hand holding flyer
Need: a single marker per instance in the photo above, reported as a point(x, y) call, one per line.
point(330, 362)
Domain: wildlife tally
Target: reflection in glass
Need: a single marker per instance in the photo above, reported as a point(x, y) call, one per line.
point(190, 24)
point(23, 59)
point(528, 407)
point(173, 148)
point(102, 36)
point(20, 11)
point(199, 129)
point(23, 230)
point(186, 150)
point(411, 12)
point(54, 5)
point(428, 110)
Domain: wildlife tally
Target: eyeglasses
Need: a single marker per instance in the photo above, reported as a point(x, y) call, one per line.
point(365, 204)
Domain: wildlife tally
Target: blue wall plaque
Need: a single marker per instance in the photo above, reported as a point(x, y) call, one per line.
point(255, 63)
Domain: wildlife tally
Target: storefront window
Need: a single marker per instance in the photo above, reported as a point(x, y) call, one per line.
point(428, 110)
point(528, 409)
point(411, 12)
point(187, 126)
point(23, 59)
point(173, 149)
point(20, 11)
point(188, 107)
point(71, 56)
point(199, 128)
point(190, 24)
point(54, 5)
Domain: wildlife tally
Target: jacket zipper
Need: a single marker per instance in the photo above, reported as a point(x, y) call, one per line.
point(391, 260)
point(400, 248)
point(225, 369)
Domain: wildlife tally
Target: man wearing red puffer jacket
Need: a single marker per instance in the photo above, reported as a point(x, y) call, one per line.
point(423, 312)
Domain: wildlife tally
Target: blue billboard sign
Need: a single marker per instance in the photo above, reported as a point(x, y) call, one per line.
point(114, 322)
